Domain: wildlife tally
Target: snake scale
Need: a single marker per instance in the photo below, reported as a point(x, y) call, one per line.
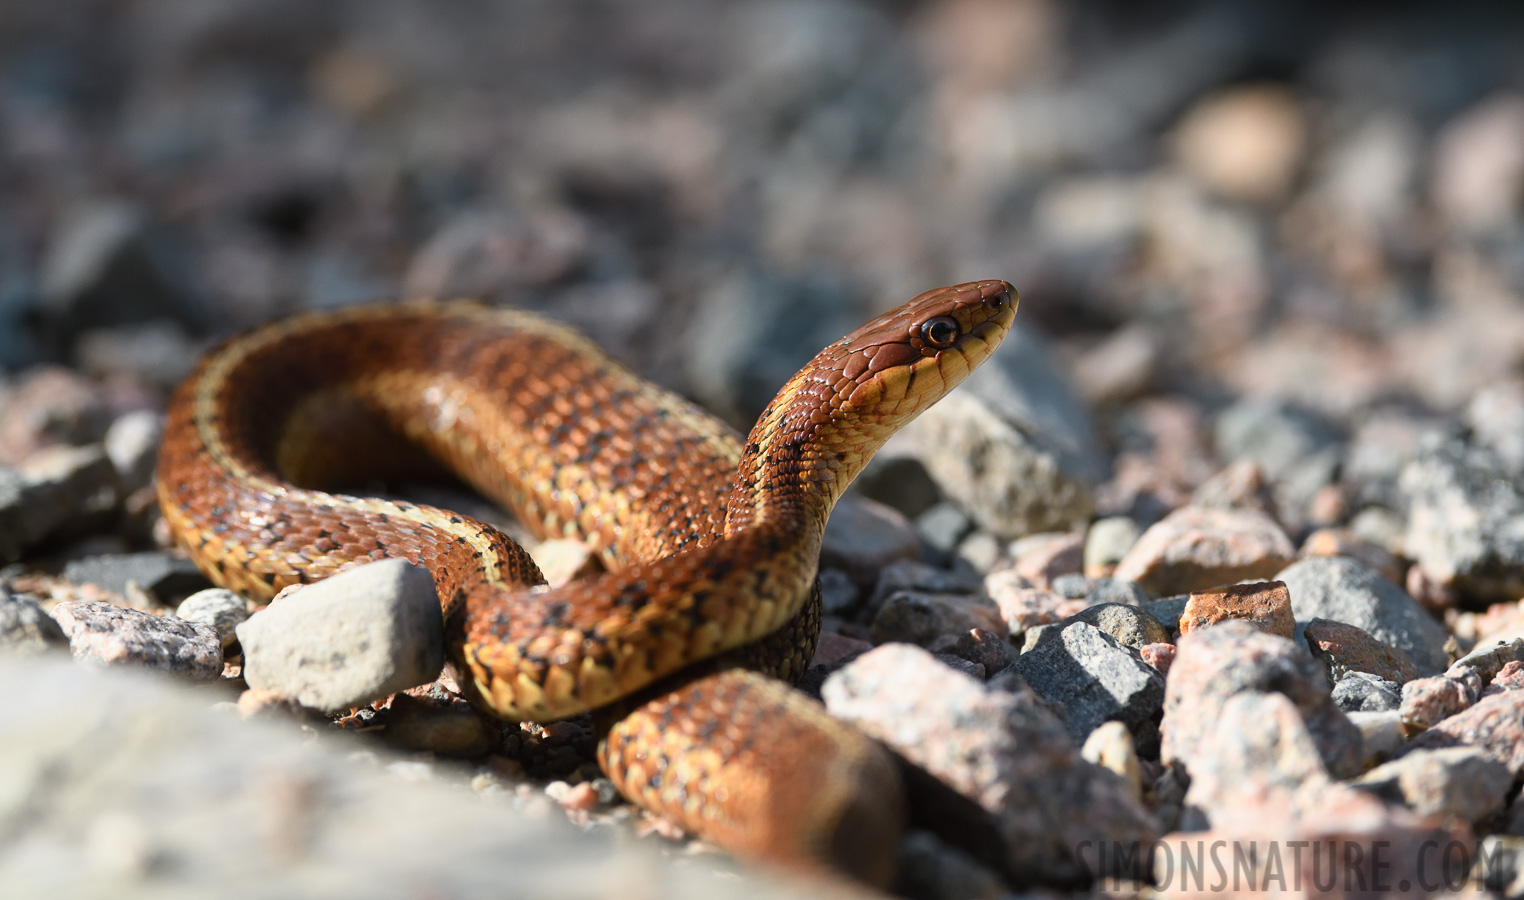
point(710, 542)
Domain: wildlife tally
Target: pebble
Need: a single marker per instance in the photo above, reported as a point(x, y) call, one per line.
point(985, 648)
point(450, 729)
point(980, 550)
point(1214, 664)
point(25, 630)
point(1259, 745)
point(132, 444)
point(113, 635)
point(1107, 542)
point(1509, 678)
point(1477, 163)
point(1109, 590)
point(1490, 657)
point(1004, 750)
point(1041, 558)
point(1344, 648)
point(1093, 677)
point(1003, 476)
point(1129, 625)
point(1464, 510)
point(832, 648)
point(219, 608)
point(863, 536)
point(1428, 701)
point(50, 406)
point(1297, 449)
point(1245, 143)
point(565, 559)
point(56, 491)
point(1495, 725)
point(914, 575)
point(1168, 611)
point(1160, 656)
point(916, 617)
point(163, 574)
point(1023, 607)
point(1345, 590)
point(1242, 485)
point(943, 526)
point(1111, 747)
point(349, 639)
point(1495, 416)
point(1381, 735)
point(1358, 691)
point(1463, 782)
point(1342, 542)
point(839, 594)
point(1191, 549)
point(1266, 605)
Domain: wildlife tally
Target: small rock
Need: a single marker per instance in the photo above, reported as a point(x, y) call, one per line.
point(1381, 735)
point(1110, 746)
point(221, 609)
point(1490, 657)
point(914, 575)
point(898, 480)
point(839, 595)
point(1428, 701)
point(1297, 449)
point(1495, 416)
point(132, 444)
point(1465, 520)
point(1463, 782)
point(832, 648)
point(1495, 724)
point(980, 550)
point(100, 632)
point(1259, 745)
point(1168, 611)
point(49, 406)
point(1242, 485)
point(1093, 677)
point(1107, 542)
point(1345, 590)
point(450, 729)
point(863, 536)
point(1358, 691)
point(1042, 558)
point(57, 491)
point(349, 639)
point(985, 648)
point(1345, 648)
point(1478, 164)
point(1004, 750)
point(1245, 143)
point(1023, 607)
point(163, 574)
point(25, 630)
point(943, 526)
point(1341, 542)
point(1129, 625)
point(1191, 549)
point(1214, 664)
point(1109, 590)
point(1509, 678)
point(1266, 605)
point(914, 617)
point(1122, 367)
point(1071, 587)
point(959, 664)
point(1160, 656)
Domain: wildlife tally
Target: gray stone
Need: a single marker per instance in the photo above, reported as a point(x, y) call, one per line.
point(1259, 744)
point(1381, 736)
point(1345, 590)
point(943, 526)
point(915, 617)
point(25, 630)
point(1093, 677)
point(1192, 549)
point(165, 575)
point(132, 444)
point(1110, 590)
point(863, 536)
point(218, 608)
point(1002, 749)
point(1465, 519)
point(135, 789)
point(1129, 625)
point(1495, 724)
point(1168, 611)
point(913, 575)
point(839, 595)
point(1495, 416)
point(115, 635)
point(985, 648)
point(58, 491)
point(1364, 692)
point(1463, 782)
point(1071, 587)
point(1489, 657)
point(349, 639)
point(1107, 541)
point(899, 480)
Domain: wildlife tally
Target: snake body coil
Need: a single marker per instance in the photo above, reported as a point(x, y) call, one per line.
point(711, 543)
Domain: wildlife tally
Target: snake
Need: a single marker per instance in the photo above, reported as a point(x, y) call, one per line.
point(707, 605)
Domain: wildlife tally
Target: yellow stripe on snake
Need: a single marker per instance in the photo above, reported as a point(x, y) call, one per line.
point(711, 543)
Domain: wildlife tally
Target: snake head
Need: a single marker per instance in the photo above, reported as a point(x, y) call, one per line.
point(893, 368)
point(840, 409)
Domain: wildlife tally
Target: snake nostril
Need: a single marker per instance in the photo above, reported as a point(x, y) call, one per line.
point(996, 302)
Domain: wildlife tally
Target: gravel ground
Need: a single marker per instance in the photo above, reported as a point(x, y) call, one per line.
point(1271, 259)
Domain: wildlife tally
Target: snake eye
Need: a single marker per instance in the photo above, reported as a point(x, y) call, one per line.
point(940, 332)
